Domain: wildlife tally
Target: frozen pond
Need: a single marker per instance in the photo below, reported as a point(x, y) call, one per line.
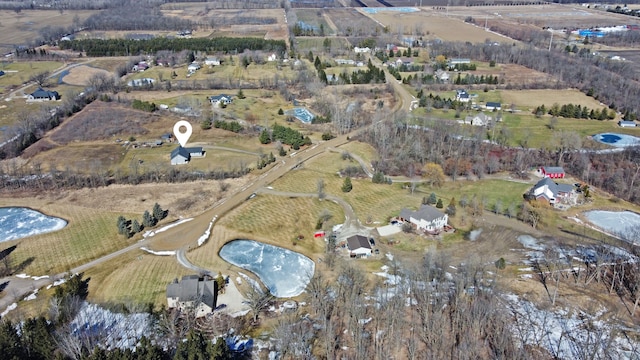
point(613, 222)
point(617, 140)
point(284, 272)
point(20, 222)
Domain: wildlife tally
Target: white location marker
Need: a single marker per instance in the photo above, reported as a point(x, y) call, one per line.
point(182, 137)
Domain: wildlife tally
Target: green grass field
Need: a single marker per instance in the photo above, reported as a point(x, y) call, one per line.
point(17, 73)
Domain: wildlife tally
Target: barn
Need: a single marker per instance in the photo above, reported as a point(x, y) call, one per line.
point(553, 172)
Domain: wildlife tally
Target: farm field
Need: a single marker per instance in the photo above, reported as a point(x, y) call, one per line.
point(24, 27)
point(17, 73)
point(547, 15)
point(435, 24)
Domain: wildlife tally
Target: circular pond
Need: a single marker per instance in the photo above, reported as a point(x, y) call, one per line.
point(617, 140)
point(284, 272)
point(20, 222)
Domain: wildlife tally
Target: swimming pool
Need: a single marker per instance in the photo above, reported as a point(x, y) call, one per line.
point(301, 114)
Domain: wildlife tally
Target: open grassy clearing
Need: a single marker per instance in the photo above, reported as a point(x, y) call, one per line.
point(23, 27)
point(361, 149)
point(281, 219)
point(313, 17)
point(89, 234)
point(109, 64)
point(533, 98)
point(112, 281)
point(80, 75)
point(19, 72)
point(87, 158)
point(436, 25)
point(304, 44)
point(16, 108)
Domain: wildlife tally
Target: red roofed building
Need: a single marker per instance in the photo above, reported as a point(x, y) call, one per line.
point(554, 172)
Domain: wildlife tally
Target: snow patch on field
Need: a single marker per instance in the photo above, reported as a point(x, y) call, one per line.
point(207, 233)
point(159, 253)
point(32, 296)
point(151, 233)
point(568, 334)
point(57, 283)
point(9, 308)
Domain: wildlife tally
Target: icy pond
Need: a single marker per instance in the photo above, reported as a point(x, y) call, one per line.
point(284, 272)
point(613, 221)
point(20, 222)
point(617, 140)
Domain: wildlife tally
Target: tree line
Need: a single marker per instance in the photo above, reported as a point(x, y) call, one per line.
point(126, 47)
point(128, 228)
point(575, 111)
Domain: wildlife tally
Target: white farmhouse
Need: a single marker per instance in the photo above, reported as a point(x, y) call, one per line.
point(428, 218)
point(358, 246)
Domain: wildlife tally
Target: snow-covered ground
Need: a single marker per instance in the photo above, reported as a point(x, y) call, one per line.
point(20, 222)
point(114, 329)
point(151, 233)
point(159, 253)
point(284, 272)
point(570, 334)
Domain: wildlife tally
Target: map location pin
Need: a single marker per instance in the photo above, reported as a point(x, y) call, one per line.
point(182, 137)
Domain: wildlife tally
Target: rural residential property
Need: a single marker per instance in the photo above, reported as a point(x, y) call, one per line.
point(376, 179)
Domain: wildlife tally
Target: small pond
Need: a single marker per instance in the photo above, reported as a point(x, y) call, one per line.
point(613, 222)
point(20, 222)
point(284, 272)
point(617, 140)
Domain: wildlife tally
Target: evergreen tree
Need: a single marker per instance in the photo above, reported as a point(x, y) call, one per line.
point(136, 227)
point(148, 220)
point(265, 137)
point(220, 350)
point(37, 338)
point(280, 111)
point(158, 213)
point(378, 178)
point(439, 204)
point(432, 199)
point(240, 94)
point(10, 342)
point(220, 281)
point(451, 208)
point(195, 348)
point(347, 186)
point(123, 225)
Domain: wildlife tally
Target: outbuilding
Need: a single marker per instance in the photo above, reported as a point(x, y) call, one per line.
point(553, 172)
point(358, 246)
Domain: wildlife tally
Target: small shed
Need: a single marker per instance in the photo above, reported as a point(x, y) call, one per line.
point(627, 123)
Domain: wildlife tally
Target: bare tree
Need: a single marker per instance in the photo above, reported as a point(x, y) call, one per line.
point(40, 78)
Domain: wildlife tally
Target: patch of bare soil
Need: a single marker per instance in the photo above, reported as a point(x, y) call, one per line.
point(80, 75)
point(100, 120)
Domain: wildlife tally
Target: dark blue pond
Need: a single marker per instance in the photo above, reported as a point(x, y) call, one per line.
point(610, 138)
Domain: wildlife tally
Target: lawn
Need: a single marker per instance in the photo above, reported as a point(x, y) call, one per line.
point(89, 234)
point(136, 277)
point(18, 73)
point(534, 98)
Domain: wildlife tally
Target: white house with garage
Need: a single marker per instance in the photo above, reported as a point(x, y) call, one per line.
point(427, 218)
point(359, 246)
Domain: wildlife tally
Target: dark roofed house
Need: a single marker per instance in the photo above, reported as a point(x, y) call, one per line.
point(193, 292)
point(217, 100)
point(43, 95)
point(546, 189)
point(195, 151)
point(180, 156)
point(493, 106)
point(359, 246)
point(427, 218)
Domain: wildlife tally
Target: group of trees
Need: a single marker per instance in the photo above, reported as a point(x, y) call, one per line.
point(266, 160)
point(232, 126)
point(129, 228)
point(143, 105)
point(286, 135)
point(124, 47)
point(575, 111)
point(471, 79)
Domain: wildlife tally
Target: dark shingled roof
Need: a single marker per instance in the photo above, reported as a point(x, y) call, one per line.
point(180, 151)
point(426, 212)
point(553, 169)
point(191, 287)
point(358, 241)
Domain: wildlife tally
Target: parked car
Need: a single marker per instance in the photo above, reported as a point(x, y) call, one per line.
point(372, 242)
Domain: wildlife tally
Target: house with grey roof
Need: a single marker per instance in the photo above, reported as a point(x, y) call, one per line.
point(182, 155)
point(358, 246)
point(222, 99)
point(193, 293)
point(427, 218)
point(552, 192)
point(43, 95)
point(479, 119)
